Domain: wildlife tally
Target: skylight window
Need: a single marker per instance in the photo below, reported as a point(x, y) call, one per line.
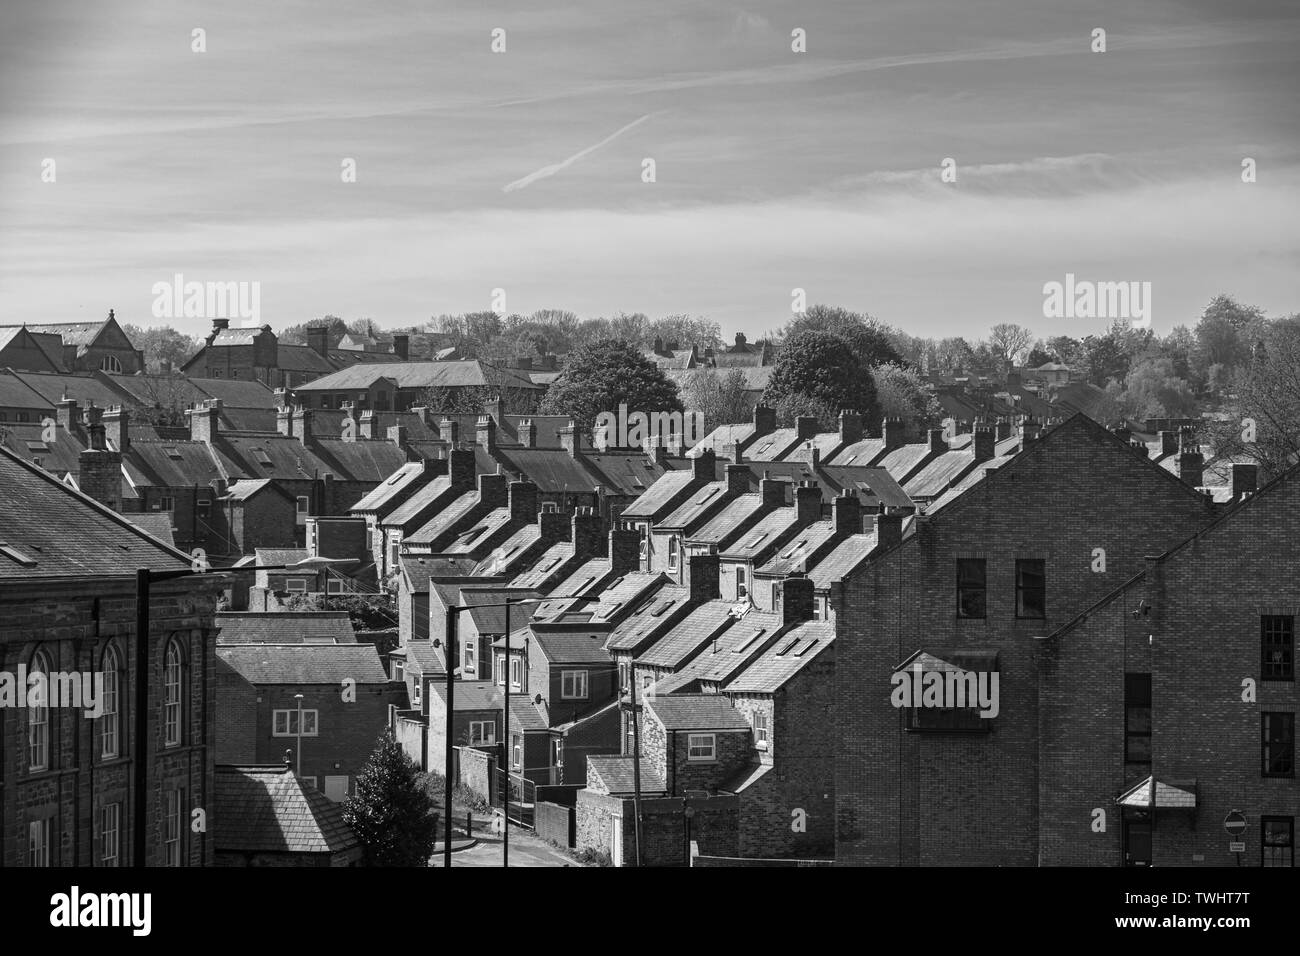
point(791, 552)
point(806, 647)
point(706, 494)
point(262, 457)
point(758, 632)
point(395, 479)
point(172, 452)
point(789, 644)
point(755, 541)
point(663, 606)
point(15, 555)
point(37, 446)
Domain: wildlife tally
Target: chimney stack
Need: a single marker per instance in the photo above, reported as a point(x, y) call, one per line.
point(737, 479)
point(938, 444)
point(850, 427)
point(461, 468)
point(703, 574)
point(402, 347)
point(806, 426)
point(487, 433)
point(1191, 466)
point(552, 527)
point(449, 431)
point(523, 501)
point(1029, 431)
point(1168, 443)
point(588, 534)
point(1123, 433)
point(625, 550)
point(982, 443)
point(846, 510)
point(318, 339)
point(892, 432)
point(117, 428)
point(302, 424)
point(100, 471)
point(366, 424)
point(66, 415)
point(493, 491)
point(889, 529)
point(772, 492)
point(527, 433)
point(397, 435)
point(1244, 480)
point(808, 502)
point(220, 325)
point(205, 421)
point(796, 599)
point(569, 439)
point(705, 465)
point(764, 420)
point(1001, 430)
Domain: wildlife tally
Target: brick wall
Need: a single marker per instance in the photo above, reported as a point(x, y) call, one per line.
point(667, 753)
point(477, 771)
point(950, 799)
point(555, 823)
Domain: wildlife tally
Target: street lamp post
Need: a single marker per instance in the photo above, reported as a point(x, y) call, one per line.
point(298, 771)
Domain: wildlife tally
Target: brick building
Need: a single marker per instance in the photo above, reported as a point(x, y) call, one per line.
point(68, 605)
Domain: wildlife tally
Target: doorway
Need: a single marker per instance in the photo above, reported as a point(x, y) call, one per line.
point(1137, 842)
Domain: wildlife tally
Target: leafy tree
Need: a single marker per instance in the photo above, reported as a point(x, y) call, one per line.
point(1226, 332)
point(686, 331)
point(1154, 390)
point(901, 393)
point(1064, 349)
point(952, 355)
point(390, 812)
point(1105, 358)
point(870, 340)
point(723, 396)
point(163, 346)
point(1038, 356)
point(297, 334)
point(818, 373)
point(1009, 339)
point(599, 377)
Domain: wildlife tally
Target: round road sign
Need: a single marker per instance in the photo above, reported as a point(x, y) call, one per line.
point(1234, 823)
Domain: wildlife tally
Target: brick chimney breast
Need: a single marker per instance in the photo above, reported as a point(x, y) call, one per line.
point(523, 501)
point(850, 427)
point(846, 511)
point(588, 535)
point(764, 420)
point(797, 595)
point(704, 577)
point(808, 502)
point(117, 425)
point(892, 432)
point(982, 443)
point(737, 479)
point(625, 550)
point(888, 528)
point(806, 426)
point(938, 443)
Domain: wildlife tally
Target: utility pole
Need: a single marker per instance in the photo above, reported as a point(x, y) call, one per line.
point(298, 698)
point(636, 769)
point(505, 732)
point(450, 650)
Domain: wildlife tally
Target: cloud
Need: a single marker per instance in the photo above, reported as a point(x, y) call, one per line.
point(554, 168)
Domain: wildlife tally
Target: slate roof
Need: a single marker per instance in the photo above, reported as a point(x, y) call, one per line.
point(584, 578)
point(625, 474)
point(415, 375)
point(48, 530)
point(471, 695)
point(552, 470)
point(492, 620)
point(561, 647)
point(771, 528)
point(660, 494)
point(85, 389)
point(970, 479)
point(696, 712)
point(278, 556)
point(940, 474)
point(865, 452)
point(157, 523)
point(688, 634)
point(472, 538)
point(243, 490)
point(795, 650)
point(304, 663)
point(794, 554)
point(615, 775)
point(421, 499)
point(698, 504)
point(903, 461)
point(613, 601)
point(555, 560)
point(719, 661)
point(725, 522)
point(510, 551)
point(174, 464)
point(285, 457)
point(269, 810)
point(525, 714)
point(720, 438)
point(773, 445)
point(426, 658)
point(843, 558)
point(651, 616)
point(874, 486)
point(825, 443)
point(445, 519)
point(284, 627)
point(72, 333)
point(361, 460)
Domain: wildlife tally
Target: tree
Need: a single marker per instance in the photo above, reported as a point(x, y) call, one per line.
point(1038, 356)
point(164, 348)
point(722, 397)
point(1104, 358)
point(870, 340)
point(686, 331)
point(1225, 334)
point(297, 334)
point(952, 355)
point(599, 377)
point(390, 812)
point(901, 393)
point(1154, 390)
point(1009, 339)
point(818, 373)
point(1065, 350)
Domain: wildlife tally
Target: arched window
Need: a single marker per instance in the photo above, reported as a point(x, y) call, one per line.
point(173, 685)
point(110, 716)
point(110, 364)
point(38, 715)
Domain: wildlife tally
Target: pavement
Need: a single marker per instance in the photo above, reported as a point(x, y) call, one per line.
point(525, 850)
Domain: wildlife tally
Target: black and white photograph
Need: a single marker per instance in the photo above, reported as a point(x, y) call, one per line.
point(847, 434)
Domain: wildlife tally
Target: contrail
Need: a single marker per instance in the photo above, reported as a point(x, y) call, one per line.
point(554, 168)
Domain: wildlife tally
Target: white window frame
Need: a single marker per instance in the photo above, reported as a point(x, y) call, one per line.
point(469, 657)
point(477, 737)
point(38, 719)
point(696, 742)
point(761, 730)
point(110, 834)
point(173, 693)
point(167, 503)
point(516, 673)
point(674, 546)
point(333, 586)
point(399, 669)
point(517, 751)
point(296, 584)
point(109, 719)
point(111, 364)
point(573, 685)
point(38, 842)
point(741, 589)
point(310, 722)
point(303, 503)
point(173, 828)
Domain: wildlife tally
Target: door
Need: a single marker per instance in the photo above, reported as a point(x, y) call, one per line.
point(336, 788)
point(616, 841)
point(1137, 843)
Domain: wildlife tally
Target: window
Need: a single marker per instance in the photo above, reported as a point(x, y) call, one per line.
point(1277, 646)
point(550, 507)
point(286, 723)
point(204, 507)
point(741, 590)
point(573, 685)
point(970, 587)
point(1277, 837)
point(1137, 718)
point(760, 729)
point(24, 417)
point(482, 732)
point(110, 843)
point(819, 609)
point(302, 504)
point(109, 363)
point(674, 547)
point(173, 678)
point(399, 669)
point(167, 503)
point(623, 675)
point(416, 694)
point(333, 586)
point(701, 747)
point(216, 373)
point(109, 717)
point(647, 685)
point(776, 597)
point(1279, 744)
point(468, 662)
point(516, 751)
point(393, 545)
point(516, 668)
point(310, 782)
point(38, 718)
point(38, 842)
point(296, 584)
point(172, 840)
point(1031, 588)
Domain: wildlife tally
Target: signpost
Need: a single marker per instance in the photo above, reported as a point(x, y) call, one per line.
point(1234, 824)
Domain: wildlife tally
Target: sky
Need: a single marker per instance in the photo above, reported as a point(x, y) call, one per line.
point(522, 170)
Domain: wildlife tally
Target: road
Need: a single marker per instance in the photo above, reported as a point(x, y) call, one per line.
point(525, 850)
